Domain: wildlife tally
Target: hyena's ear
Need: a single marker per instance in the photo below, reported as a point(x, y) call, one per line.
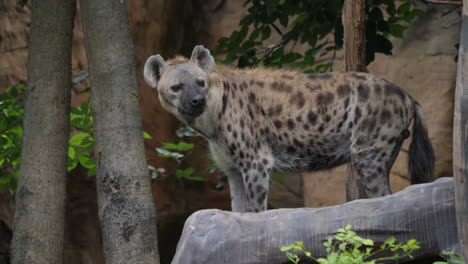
point(203, 58)
point(154, 68)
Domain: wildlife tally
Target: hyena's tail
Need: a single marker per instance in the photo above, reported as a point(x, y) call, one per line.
point(421, 155)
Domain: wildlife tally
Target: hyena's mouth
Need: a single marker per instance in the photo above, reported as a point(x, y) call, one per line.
point(193, 112)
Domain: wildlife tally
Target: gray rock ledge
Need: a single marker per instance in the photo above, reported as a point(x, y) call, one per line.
point(425, 212)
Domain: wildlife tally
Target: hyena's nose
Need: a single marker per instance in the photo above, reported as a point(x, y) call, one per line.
point(198, 101)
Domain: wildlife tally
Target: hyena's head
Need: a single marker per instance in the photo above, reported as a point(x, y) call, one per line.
point(181, 84)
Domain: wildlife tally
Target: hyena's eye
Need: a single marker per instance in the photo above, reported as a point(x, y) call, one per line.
point(176, 88)
point(201, 83)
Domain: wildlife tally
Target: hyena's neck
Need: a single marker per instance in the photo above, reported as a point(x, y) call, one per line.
point(217, 96)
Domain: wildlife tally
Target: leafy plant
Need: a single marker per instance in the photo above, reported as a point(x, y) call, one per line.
point(11, 132)
point(346, 247)
point(315, 23)
point(451, 258)
point(80, 146)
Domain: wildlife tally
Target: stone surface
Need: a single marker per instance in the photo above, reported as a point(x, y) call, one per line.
point(425, 212)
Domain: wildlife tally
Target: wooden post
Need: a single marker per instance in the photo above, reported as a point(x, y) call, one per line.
point(354, 24)
point(460, 134)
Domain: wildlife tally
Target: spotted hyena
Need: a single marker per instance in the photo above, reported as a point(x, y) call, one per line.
point(260, 121)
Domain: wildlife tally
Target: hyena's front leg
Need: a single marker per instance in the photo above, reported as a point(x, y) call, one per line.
point(239, 202)
point(256, 176)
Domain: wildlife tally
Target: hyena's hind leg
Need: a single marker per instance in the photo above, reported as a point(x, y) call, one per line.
point(373, 160)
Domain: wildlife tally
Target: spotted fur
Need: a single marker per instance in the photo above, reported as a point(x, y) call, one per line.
point(260, 121)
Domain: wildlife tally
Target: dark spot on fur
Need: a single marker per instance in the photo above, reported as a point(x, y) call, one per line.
point(299, 119)
point(379, 170)
point(228, 127)
point(291, 124)
point(325, 98)
point(225, 99)
point(357, 114)
point(326, 118)
point(312, 117)
point(391, 89)
point(281, 87)
point(306, 126)
point(287, 76)
point(360, 141)
point(344, 90)
point(391, 140)
point(405, 134)
point(250, 112)
point(321, 128)
point(290, 150)
point(385, 116)
point(312, 87)
point(251, 98)
point(298, 144)
point(260, 83)
point(297, 99)
point(345, 117)
point(378, 90)
point(277, 123)
point(363, 92)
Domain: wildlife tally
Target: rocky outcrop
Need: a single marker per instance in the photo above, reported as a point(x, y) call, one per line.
point(425, 212)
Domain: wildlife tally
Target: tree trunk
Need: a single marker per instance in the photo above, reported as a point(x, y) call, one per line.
point(460, 134)
point(126, 208)
point(354, 25)
point(39, 219)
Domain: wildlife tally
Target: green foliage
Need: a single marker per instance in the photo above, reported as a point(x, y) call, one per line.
point(451, 258)
point(317, 24)
point(11, 132)
point(80, 146)
point(346, 247)
point(179, 151)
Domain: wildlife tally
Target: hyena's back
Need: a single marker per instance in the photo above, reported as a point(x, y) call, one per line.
point(314, 122)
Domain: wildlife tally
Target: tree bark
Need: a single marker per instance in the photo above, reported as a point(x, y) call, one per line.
point(126, 208)
point(460, 134)
point(39, 218)
point(354, 25)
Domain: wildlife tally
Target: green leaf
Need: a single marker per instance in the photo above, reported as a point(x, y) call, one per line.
point(196, 178)
point(3, 124)
point(146, 135)
point(266, 32)
point(92, 171)
point(186, 132)
point(87, 162)
point(78, 139)
point(184, 173)
point(76, 111)
point(181, 146)
point(168, 154)
point(71, 153)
